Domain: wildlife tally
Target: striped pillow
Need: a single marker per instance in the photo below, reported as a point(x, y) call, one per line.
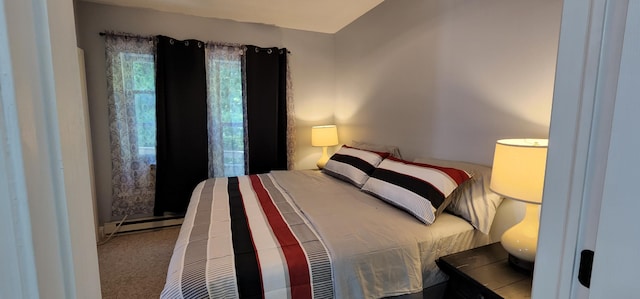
point(353, 165)
point(419, 189)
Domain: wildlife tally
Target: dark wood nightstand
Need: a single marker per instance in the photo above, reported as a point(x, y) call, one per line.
point(483, 273)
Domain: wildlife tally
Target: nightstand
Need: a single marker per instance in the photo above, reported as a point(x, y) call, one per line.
point(483, 273)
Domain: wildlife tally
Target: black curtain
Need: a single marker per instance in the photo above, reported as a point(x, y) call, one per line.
point(181, 112)
point(266, 87)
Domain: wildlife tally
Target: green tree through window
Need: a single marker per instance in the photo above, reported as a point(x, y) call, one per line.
point(232, 116)
point(131, 110)
point(226, 106)
point(142, 74)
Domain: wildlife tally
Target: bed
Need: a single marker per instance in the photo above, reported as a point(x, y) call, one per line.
point(316, 234)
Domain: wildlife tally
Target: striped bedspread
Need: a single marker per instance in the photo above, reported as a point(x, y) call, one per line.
point(243, 238)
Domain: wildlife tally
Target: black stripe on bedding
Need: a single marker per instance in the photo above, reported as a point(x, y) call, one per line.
point(356, 162)
point(413, 184)
point(246, 261)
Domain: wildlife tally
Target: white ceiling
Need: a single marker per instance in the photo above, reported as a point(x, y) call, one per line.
point(327, 16)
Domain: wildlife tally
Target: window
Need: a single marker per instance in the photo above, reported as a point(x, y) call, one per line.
point(132, 119)
point(131, 106)
point(226, 111)
point(139, 69)
point(232, 118)
point(227, 75)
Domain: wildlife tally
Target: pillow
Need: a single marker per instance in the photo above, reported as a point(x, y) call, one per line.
point(474, 201)
point(420, 189)
point(393, 150)
point(353, 165)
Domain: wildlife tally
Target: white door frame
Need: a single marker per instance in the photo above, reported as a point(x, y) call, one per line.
point(589, 53)
point(48, 244)
point(616, 260)
point(18, 278)
point(31, 156)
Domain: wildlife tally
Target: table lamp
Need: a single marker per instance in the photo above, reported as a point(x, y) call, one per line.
point(324, 136)
point(518, 173)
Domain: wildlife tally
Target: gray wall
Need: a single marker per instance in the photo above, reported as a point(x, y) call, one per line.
point(312, 68)
point(447, 78)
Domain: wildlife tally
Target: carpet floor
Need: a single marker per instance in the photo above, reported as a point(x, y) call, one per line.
point(135, 265)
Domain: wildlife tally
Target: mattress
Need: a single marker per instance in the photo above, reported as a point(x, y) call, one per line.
point(354, 245)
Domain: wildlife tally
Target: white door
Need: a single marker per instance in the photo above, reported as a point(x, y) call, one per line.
point(591, 198)
point(617, 250)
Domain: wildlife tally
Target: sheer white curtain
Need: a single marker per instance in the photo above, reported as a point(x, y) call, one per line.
point(226, 117)
point(291, 123)
point(131, 105)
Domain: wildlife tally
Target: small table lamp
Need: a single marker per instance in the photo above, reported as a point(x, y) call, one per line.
point(518, 173)
point(324, 136)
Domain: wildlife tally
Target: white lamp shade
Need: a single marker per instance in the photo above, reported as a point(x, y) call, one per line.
point(324, 135)
point(518, 169)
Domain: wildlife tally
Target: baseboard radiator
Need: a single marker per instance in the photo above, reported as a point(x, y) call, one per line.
point(142, 224)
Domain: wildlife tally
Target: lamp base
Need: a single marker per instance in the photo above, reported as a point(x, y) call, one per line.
point(520, 264)
point(321, 163)
point(520, 241)
point(323, 159)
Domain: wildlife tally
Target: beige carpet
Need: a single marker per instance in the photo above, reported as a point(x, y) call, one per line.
point(135, 265)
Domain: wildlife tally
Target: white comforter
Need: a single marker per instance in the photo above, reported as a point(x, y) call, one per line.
point(375, 250)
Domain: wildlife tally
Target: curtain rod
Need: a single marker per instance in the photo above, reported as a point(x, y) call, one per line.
point(124, 34)
point(269, 49)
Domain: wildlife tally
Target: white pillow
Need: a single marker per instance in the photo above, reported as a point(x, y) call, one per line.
point(474, 201)
point(353, 165)
point(393, 150)
point(420, 189)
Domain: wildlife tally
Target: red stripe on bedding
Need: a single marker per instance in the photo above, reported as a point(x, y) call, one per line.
point(299, 278)
point(457, 175)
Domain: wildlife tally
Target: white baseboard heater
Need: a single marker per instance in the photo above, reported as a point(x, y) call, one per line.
point(141, 224)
